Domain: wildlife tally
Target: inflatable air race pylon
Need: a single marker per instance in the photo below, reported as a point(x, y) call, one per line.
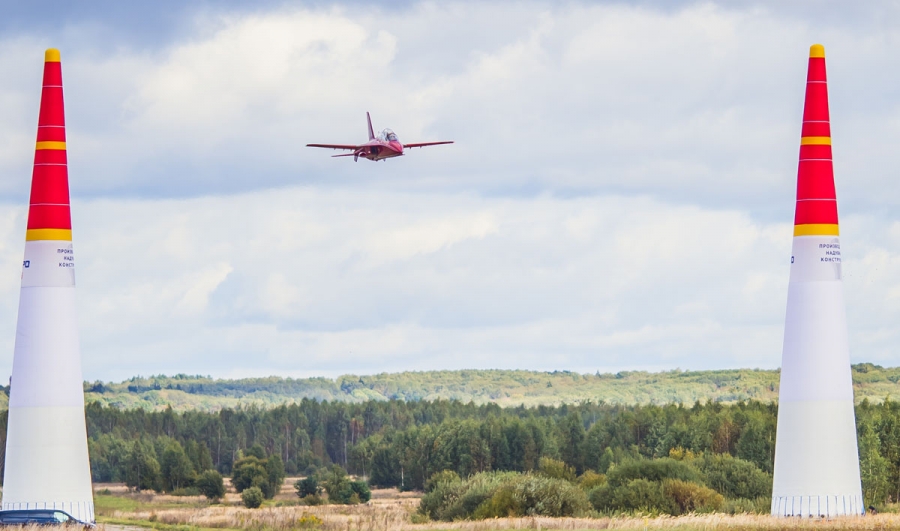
point(816, 458)
point(46, 447)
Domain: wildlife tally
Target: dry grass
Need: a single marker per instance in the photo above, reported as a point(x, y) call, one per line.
point(392, 510)
point(372, 517)
point(689, 522)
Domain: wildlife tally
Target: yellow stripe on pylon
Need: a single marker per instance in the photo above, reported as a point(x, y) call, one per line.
point(816, 229)
point(815, 141)
point(50, 145)
point(48, 234)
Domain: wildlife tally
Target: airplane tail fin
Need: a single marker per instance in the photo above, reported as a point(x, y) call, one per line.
point(371, 132)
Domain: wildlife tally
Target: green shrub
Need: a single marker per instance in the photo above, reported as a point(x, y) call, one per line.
point(733, 477)
point(254, 471)
point(210, 484)
point(248, 472)
point(669, 496)
point(652, 470)
point(307, 486)
point(591, 479)
point(337, 485)
point(361, 491)
point(691, 497)
point(532, 495)
point(635, 495)
point(476, 491)
point(440, 491)
point(444, 476)
point(252, 497)
point(312, 499)
point(452, 500)
point(554, 468)
point(501, 494)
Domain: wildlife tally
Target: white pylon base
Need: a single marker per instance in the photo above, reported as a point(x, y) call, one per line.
point(817, 470)
point(50, 461)
point(816, 455)
point(47, 463)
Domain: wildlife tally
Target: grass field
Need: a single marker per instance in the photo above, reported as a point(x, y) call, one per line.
point(389, 509)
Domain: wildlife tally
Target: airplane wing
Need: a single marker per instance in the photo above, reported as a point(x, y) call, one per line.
point(332, 146)
point(423, 144)
point(342, 154)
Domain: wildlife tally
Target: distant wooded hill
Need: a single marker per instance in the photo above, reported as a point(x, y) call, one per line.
point(506, 388)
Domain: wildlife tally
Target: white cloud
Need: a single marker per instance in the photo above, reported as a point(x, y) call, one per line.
point(619, 195)
point(388, 281)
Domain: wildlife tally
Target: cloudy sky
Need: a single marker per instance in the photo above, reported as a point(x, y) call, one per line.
point(620, 194)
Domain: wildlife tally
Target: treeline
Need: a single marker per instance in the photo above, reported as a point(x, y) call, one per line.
point(403, 444)
point(505, 387)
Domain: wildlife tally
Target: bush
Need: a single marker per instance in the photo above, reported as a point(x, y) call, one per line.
point(361, 490)
point(451, 500)
point(252, 471)
point(635, 495)
point(252, 497)
point(733, 477)
point(553, 468)
point(444, 476)
point(307, 486)
point(248, 472)
point(691, 497)
point(475, 491)
point(652, 470)
point(210, 484)
point(439, 494)
point(501, 494)
point(337, 485)
point(670, 496)
point(591, 479)
point(312, 499)
point(531, 495)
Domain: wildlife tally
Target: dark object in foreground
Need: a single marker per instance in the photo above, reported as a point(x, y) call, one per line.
point(40, 517)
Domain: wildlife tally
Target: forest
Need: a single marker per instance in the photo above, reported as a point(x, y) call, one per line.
point(606, 450)
point(507, 388)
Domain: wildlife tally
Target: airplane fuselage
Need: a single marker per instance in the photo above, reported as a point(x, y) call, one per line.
point(379, 150)
point(384, 146)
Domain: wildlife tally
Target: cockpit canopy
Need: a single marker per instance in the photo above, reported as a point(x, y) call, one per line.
point(388, 136)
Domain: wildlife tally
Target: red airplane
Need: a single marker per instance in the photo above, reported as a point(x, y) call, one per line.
point(383, 146)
